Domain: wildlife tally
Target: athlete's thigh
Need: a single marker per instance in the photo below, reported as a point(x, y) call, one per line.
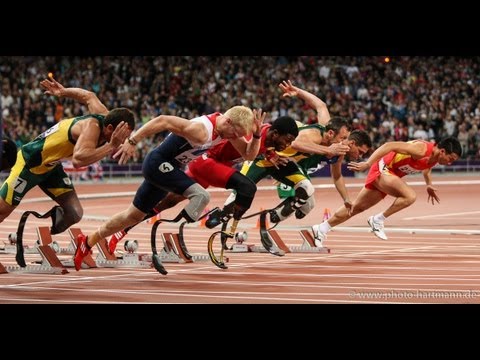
point(290, 174)
point(210, 172)
point(147, 196)
point(56, 183)
point(69, 200)
point(256, 173)
point(393, 185)
point(367, 198)
point(19, 183)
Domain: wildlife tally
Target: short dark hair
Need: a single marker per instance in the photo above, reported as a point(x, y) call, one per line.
point(451, 145)
point(336, 123)
point(115, 116)
point(361, 138)
point(9, 154)
point(285, 125)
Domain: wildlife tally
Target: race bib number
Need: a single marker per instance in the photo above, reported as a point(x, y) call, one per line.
point(50, 131)
point(187, 156)
point(20, 185)
point(407, 169)
point(165, 167)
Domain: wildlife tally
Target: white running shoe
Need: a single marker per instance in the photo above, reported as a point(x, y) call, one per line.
point(318, 236)
point(377, 228)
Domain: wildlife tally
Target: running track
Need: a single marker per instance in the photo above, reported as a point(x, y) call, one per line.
point(432, 255)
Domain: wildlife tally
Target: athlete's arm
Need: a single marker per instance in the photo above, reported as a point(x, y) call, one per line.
point(194, 131)
point(417, 150)
point(86, 151)
point(339, 181)
point(95, 106)
point(323, 116)
point(432, 195)
point(249, 149)
point(309, 140)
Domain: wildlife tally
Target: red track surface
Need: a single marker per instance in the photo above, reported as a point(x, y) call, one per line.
point(408, 268)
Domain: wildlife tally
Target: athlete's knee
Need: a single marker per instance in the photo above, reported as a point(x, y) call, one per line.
point(410, 198)
point(168, 202)
point(306, 208)
point(356, 209)
point(62, 219)
point(198, 200)
point(304, 189)
point(245, 189)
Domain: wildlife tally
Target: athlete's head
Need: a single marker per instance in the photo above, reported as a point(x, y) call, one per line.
point(282, 132)
point(9, 154)
point(114, 117)
point(235, 123)
point(336, 130)
point(360, 144)
point(450, 150)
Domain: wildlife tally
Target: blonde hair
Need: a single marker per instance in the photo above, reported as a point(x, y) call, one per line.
point(241, 117)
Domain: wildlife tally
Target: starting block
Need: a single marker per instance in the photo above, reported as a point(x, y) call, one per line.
point(308, 245)
point(172, 251)
point(129, 259)
point(50, 264)
point(44, 238)
point(2, 269)
point(88, 261)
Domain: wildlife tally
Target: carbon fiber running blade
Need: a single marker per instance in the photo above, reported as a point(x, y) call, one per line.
point(265, 238)
point(182, 242)
point(157, 264)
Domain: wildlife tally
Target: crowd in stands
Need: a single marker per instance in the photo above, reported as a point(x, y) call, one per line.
point(405, 98)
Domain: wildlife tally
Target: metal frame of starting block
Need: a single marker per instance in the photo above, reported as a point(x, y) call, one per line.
point(172, 251)
point(129, 259)
point(308, 245)
point(44, 238)
point(50, 263)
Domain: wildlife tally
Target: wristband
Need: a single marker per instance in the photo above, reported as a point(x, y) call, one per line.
point(131, 141)
point(257, 136)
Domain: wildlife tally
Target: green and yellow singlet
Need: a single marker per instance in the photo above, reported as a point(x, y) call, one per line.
point(49, 148)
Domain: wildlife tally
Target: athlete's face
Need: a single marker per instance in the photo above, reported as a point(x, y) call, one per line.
point(279, 142)
point(446, 159)
point(356, 152)
point(341, 136)
point(227, 130)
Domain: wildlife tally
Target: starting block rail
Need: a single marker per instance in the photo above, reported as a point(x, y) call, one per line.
point(50, 263)
point(129, 259)
point(308, 245)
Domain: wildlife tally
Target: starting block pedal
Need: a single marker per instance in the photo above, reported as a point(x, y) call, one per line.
point(45, 238)
point(309, 243)
point(129, 259)
point(241, 247)
point(172, 251)
point(88, 261)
